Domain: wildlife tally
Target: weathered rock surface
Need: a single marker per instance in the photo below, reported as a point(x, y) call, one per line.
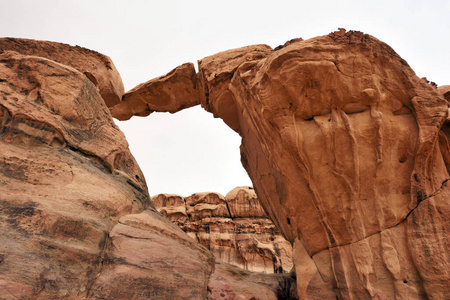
point(97, 67)
point(235, 228)
point(230, 282)
point(348, 151)
point(150, 258)
point(76, 221)
point(445, 91)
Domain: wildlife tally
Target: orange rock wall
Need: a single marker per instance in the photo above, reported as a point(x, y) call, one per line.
point(347, 148)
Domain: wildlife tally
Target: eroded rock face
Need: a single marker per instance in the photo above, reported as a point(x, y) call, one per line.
point(348, 151)
point(445, 91)
point(340, 140)
point(234, 228)
point(151, 258)
point(230, 282)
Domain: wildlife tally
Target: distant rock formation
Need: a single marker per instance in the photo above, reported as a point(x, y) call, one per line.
point(234, 228)
point(349, 153)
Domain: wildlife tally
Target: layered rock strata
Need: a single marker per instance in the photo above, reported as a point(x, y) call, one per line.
point(234, 228)
point(76, 220)
point(348, 151)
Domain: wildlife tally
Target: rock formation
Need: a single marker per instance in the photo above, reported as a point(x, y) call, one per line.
point(234, 228)
point(348, 151)
point(347, 148)
point(76, 220)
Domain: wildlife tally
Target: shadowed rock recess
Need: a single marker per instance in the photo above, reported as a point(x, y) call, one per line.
point(348, 151)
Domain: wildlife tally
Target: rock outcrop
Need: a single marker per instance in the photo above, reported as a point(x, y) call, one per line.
point(76, 220)
point(234, 228)
point(348, 151)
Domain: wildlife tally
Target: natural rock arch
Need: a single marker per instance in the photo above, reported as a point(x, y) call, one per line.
point(347, 150)
point(367, 214)
point(76, 220)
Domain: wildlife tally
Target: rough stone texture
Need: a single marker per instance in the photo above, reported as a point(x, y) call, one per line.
point(235, 228)
point(66, 177)
point(156, 259)
point(214, 78)
point(76, 221)
point(169, 93)
point(230, 282)
point(97, 67)
point(349, 153)
point(445, 91)
point(173, 207)
point(242, 202)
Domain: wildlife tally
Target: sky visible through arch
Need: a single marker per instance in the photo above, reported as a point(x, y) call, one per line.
point(190, 151)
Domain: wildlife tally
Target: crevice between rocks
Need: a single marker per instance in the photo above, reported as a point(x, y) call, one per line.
point(104, 245)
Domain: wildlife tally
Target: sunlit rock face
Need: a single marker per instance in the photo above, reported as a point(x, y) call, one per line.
point(234, 228)
point(348, 151)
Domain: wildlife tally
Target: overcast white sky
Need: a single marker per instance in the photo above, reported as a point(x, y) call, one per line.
point(190, 151)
